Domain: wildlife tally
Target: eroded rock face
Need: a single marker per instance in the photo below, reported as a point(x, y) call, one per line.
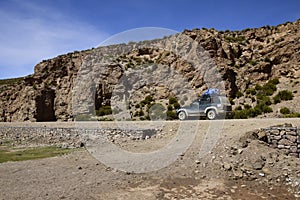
point(45, 110)
point(243, 58)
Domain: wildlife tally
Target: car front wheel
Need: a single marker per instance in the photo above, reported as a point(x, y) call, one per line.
point(211, 114)
point(182, 115)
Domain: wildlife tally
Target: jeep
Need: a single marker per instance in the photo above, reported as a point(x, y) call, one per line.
point(210, 106)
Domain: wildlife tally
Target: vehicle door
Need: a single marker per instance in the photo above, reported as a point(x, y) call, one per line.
point(194, 108)
point(204, 102)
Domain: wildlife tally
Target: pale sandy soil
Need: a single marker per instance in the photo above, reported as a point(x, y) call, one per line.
point(80, 175)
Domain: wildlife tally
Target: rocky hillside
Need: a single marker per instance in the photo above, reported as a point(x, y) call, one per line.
point(259, 70)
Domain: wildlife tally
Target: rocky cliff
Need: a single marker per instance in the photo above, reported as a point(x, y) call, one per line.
point(243, 61)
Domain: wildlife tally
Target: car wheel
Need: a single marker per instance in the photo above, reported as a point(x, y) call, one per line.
point(182, 115)
point(211, 114)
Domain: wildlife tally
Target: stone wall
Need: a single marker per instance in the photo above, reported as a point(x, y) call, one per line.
point(65, 137)
point(285, 138)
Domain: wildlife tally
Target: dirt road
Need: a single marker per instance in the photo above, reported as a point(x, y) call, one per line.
point(203, 171)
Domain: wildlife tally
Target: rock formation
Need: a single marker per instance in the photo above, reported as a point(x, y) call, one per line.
point(241, 58)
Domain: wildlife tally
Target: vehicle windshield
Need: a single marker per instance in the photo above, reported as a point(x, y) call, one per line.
point(225, 100)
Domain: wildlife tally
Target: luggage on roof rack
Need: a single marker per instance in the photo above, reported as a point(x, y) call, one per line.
point(212, 91)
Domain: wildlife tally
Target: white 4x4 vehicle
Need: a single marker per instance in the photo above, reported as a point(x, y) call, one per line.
point(210, 106)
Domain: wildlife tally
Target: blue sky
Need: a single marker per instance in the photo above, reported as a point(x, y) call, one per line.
point(33, 30)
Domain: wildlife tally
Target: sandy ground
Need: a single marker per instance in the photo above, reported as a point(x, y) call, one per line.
point(80, 175)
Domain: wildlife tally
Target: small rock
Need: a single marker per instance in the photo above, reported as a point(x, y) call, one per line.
point(197, 162)
point(285, 142)
point(240, 151)
point(243, 186)
point(238, 174)
point(258, 164)
point(266, 170)
point(291, 138)
point(244, 144)
point(261, 174)
point(227, 166)
point(261, 135)
point(80, 168)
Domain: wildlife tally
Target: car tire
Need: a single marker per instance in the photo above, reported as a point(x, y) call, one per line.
point(182, 115)
point(211, 114)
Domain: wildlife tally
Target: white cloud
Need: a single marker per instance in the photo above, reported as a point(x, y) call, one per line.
point(27, 40)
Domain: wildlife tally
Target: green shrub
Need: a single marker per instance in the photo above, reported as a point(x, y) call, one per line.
point(276, 99)
point(11, 81)
point(283, 95)
point(247, 106)
point(176, 105)
point(104, 110)
point(285, 110)
point(171, 115)
point(267, 109)
point(148, 100)
point(240, 114)
point(235, 39)
point(170, 108)
point(253, 62)
point(105, 119)
point(141, 113)
point(147, 117)
point(274, 81)
point(172, 100)
point(263, 99)
point(269, 88)
point(263, 108)
point(258, 87)
point(239, 108)
point(248, 111)
point(251, 91)
point(257, 111)
point(292, 115)
point(239, 94)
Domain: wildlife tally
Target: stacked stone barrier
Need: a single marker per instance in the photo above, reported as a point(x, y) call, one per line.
point(285, 138)
point(65, 137)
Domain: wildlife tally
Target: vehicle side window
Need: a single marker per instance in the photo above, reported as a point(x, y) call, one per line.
point(205, 100)
point(216, 100)
point(195, 104)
